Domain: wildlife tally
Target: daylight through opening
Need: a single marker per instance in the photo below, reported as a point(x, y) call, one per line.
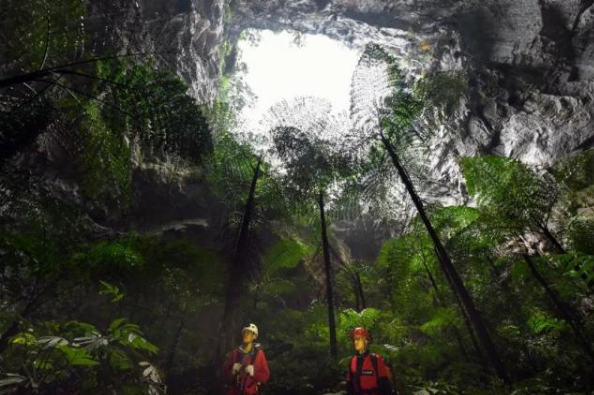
point(276, 66)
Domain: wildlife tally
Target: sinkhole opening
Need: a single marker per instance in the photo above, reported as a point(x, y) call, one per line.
point(282, 65)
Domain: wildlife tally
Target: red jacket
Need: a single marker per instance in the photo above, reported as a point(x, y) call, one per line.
point(242, 383)
point(363, 379)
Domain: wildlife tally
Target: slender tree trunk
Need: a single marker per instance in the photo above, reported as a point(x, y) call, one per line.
point(173, 349)
point(550, 237)
point(237, 272)
point(329, 291)
point(447, 266)
point(562, 308)
point(457, 335)
point(60, 69)
point(468, 324)
point(361, 293)
point(357, 299)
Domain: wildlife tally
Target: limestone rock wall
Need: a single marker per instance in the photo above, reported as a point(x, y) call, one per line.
point(530, 62)
point(183, 35)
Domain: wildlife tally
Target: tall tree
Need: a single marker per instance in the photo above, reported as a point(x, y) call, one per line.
point(251, 190)
point(515, 200)
point(384, 113)
point(235, 169)
point(303, 131)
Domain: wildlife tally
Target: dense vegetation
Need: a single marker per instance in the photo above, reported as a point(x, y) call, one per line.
point(494, 297)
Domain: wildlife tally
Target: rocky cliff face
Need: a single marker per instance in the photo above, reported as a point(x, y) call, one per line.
point(184, 35)
point(529, 63)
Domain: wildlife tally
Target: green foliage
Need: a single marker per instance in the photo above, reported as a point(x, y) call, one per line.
point(302, 133)
point(187, 276)
point(105, 160)
point(540, 323)
point(438, 388)
point(173, 286)
point(581, 236)
point(228, 13)
point(184, 269)
point(107, 257)
point(577, 172)
point(230, 170)
point(399, 108)
point(78, 349)
point(154, 107)
point(285, 254)
point(311, 166)
point(508, 191)
point(112, 291)
point(577, 267)
point(296, 346)
point(226, 49)
point(442, 90)
point(520, 271)
point(442, 319)
point(350, 319)
point(38, 33)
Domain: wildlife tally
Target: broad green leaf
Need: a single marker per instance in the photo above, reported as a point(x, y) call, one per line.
point(78, 356)
point(24, 338)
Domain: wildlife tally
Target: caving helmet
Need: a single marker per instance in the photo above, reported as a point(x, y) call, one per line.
point(252, 328)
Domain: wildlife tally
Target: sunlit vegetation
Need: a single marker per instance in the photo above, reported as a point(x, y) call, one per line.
point(486, 299)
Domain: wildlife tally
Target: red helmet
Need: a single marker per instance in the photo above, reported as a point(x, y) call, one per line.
point(360, 332)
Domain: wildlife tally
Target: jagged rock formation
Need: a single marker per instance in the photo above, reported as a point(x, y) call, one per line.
point(184, 35)
point(530, 63)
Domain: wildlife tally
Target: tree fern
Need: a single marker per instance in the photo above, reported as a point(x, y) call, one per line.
point(302, 132)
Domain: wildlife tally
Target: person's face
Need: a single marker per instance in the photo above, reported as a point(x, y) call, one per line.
point(248, 336)
point(360, 343)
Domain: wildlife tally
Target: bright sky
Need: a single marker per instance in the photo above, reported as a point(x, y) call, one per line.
point(279, 69)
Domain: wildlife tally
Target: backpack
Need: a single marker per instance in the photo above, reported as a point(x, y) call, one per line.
point(374, 363)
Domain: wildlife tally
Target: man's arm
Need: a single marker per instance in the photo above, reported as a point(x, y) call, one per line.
point(383, 381)
point(261, 370)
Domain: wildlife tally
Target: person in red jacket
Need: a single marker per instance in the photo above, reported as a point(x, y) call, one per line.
point(367, 373)
point(246, 367)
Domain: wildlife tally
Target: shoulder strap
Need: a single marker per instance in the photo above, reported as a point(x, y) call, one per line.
point(254, 353)
point(353, 361)
point(357, 373)
point(374, 362)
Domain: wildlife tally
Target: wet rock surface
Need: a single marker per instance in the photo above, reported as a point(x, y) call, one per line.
point(183, 35)
point(529, 63)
